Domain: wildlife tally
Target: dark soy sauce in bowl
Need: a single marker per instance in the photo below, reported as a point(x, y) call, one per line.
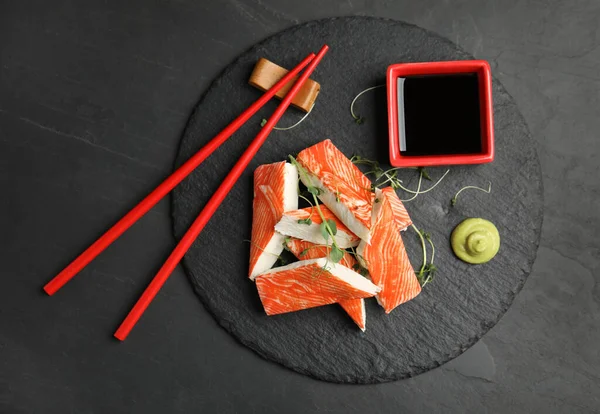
point(439, 114)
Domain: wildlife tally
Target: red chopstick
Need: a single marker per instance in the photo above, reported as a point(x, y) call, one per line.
point(163, 189)
point(212, 205)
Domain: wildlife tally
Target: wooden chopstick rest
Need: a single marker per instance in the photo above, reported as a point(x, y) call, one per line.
point(266, 74)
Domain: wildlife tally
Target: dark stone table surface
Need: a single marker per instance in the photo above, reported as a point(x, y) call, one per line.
point(93, 100)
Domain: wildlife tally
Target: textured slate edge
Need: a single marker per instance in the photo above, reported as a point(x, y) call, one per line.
point(485, 327)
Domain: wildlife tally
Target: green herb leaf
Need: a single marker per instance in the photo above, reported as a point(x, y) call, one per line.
point(263, 122)
point(360, 120)
point(377, 200)
point(286, 242)
point(332, 227)
point(428, 270)
point(336, 254)
point(303, 252)
point(425, 173)
point(324, 232)
point(306, 221)
point(422, 270)
point(428, 275)
point(314, 190)
point(360, 270)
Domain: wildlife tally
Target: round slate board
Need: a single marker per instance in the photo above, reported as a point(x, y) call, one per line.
point(457, 308)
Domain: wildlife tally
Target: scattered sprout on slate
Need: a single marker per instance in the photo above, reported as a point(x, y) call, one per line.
point(455, 198)
point(357, 118)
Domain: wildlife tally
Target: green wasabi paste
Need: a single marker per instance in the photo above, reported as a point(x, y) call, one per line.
point(475, 240)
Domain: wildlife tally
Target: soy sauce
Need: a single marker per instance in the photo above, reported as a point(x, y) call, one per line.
point(439, 114)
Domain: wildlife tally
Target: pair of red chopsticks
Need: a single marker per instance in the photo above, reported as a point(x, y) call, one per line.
point(166, 186)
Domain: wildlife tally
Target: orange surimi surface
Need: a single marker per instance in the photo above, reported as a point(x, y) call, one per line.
point(342, 180)
point(387, 261)
point(355, 308)
point(272, 183)
point(372, 219)
point(307, 284)
point(401, 216)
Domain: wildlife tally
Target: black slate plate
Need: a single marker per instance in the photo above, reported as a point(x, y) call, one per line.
point(454, 311)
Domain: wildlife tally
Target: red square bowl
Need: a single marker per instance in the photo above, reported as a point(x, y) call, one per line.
point(479, 67)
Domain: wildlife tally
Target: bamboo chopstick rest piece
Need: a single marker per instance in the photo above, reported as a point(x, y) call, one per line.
point(266, 74)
